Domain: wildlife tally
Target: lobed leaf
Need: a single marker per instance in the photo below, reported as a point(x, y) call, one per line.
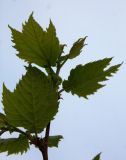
point(33, 104)
point(35, 45)
point(14, 145)
point(85, 79)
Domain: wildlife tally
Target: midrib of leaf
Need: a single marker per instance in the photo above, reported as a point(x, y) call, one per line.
point(40, 56)
point(52, 41)
point(24, 97)
point(38, 41)
point(33, 104)
point(37, 53)
point(94, 80)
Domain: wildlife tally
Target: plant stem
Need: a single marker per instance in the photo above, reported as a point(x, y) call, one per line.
point(45, 154)
point(59, 66)
point(58, 70)
point(64, 62)
point(20, 131)
point(47, 134)
point(44, 147)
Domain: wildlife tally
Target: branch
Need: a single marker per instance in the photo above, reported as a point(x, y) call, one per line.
point(64, 62)
point(20, 131)
point(61, 65)
point(44, 147)
point(58, 69)
point(47, 134)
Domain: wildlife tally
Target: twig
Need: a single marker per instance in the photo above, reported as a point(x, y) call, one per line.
point(47, 134)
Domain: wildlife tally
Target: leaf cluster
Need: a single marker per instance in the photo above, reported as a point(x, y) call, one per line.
point(35, 100)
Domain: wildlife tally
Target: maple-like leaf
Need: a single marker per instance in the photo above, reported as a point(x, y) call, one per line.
point(35, 45)
point(85, 79)
point(14, 145)
point(33, 104)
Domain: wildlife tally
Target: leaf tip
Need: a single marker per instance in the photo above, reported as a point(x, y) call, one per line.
point(31, 15)
point(4, 86)
point(121, 63)
point(51, 25)
point(10, 27)
point(98, 156)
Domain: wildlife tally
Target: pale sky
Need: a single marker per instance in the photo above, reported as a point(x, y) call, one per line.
point(88, 126)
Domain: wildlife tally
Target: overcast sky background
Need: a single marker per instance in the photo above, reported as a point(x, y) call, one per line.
point(88, 126)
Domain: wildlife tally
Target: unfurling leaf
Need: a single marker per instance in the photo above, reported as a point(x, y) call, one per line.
point(53, 141)
point(77, 48)
point(85, 79)
point(35, 45)
point(97, 157)
point(33, 104)
point(14, 145)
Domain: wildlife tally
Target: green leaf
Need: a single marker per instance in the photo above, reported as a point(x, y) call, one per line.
point(35, 45)
point(97, 157)
point(14, 145)
point(54, 140)
point(85, 79)
point(77, 48)
point(33, 104)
